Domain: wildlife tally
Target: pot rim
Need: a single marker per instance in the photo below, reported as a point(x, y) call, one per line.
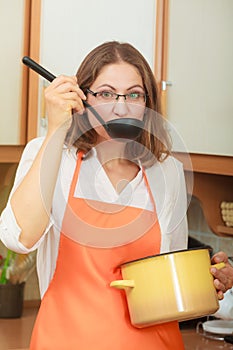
point(162, 254)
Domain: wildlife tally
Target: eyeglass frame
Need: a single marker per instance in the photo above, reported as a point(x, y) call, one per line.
point(115, 94)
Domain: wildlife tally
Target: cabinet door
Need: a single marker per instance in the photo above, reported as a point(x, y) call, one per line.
point(199, 66)
point(12, 93)
point(70, 29)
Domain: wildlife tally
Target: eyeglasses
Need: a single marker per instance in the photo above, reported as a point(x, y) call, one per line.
point(109, 96)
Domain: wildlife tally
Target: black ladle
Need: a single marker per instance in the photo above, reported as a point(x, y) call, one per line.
point(121, 128)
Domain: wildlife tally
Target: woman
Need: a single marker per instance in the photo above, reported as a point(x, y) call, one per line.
point(90, 202)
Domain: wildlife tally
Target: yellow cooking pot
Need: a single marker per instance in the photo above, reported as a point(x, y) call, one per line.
point(167, 287)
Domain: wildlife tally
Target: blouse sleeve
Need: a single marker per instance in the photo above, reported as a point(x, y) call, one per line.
point(9, 228)
point(169, 191)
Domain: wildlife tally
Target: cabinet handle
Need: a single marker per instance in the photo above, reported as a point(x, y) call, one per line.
point(164, 84)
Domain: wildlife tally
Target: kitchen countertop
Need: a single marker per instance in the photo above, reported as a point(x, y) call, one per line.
point(15, 334)
point(194, 341)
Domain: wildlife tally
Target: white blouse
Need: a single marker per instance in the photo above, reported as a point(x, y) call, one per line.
point(166, 181)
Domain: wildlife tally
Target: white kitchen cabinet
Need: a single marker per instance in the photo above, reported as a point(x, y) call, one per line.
point(194, 56)
point(70, 29)
point(13, 26)
point(199, 66)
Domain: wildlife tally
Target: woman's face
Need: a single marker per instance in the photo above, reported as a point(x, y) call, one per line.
point(120, 78)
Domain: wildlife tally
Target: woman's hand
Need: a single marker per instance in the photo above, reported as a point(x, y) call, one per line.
point(223, 278)
point(61, 96)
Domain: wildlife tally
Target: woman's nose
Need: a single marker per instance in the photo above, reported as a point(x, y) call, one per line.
point(120, 108)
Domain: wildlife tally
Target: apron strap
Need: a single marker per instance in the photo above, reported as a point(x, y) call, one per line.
point(76, 173)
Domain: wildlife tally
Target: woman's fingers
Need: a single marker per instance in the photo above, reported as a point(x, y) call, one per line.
point(64, 84)
point(62, 96)
point(223, 278)
point(61, 79)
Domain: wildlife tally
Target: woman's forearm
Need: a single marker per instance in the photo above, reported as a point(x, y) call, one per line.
point(32, 200)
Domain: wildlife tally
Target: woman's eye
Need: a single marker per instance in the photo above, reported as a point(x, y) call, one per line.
point(134, 95)
point(106, 94)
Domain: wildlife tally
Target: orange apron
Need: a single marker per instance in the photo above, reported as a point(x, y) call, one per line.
point(80, 311)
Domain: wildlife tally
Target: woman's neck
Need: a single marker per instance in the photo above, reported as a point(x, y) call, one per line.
point(111, 152)
point(117, 167)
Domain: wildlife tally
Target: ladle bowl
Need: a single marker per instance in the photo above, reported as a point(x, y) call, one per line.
point(124, 128)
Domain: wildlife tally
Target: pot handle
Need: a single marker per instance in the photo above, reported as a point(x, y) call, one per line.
point(122, 284)
point(219, 266)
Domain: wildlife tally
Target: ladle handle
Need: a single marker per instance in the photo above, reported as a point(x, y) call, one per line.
point(50, 77)
point(38, 69)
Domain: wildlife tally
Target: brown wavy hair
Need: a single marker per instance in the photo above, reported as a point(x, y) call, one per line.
point(154, 139)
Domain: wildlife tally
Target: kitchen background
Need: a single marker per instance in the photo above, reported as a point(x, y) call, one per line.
point(189, 47)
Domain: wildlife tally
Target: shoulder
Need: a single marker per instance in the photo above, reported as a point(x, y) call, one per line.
point(169, 166)
point(33, 146)
point(166, 177)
